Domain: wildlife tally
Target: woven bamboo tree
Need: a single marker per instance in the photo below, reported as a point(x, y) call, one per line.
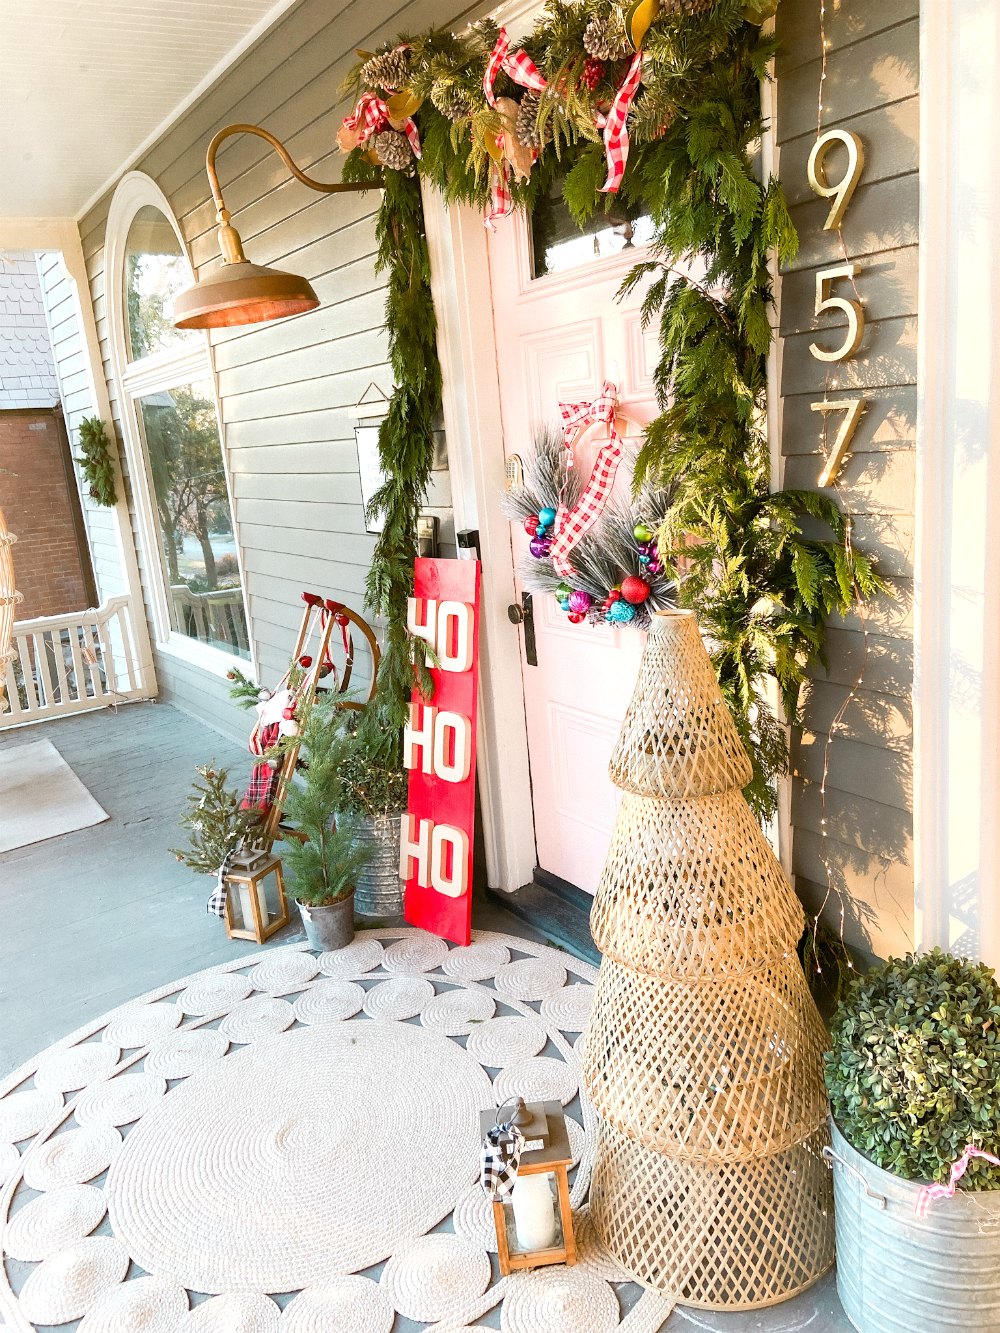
point(703, 1053)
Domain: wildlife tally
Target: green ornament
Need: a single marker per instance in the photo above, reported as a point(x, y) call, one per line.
point(563, 591)
point(642, 533)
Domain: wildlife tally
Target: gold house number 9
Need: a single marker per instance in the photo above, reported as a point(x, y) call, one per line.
point(840, 193)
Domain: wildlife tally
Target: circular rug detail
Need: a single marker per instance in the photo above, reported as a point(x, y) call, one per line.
point(399, 997)
point(183, 1052)
point(214, 994)
point(507, 1038)
point(476, 961)
point(473, 1218)
point(457, 1012)
point(260, 1016)
point(71, 1158)
point(329, 1001)
point(121, 1100)
point(139, 1024)
point(436, 1277)
point(529, 979)
point(558, 1300)
point(569, 1008)
point(540, 1079)
point(417, 952)
point(10, 1160)
point(249, 1175)
point(238, 1312)
point(66, 1286)
point(53, 1221)
point(284, 972)
point(76, 1066)
point(24, 1114)
point(591, 1253)
point(147, 1305)
point(353, 960)
point(341, 1305)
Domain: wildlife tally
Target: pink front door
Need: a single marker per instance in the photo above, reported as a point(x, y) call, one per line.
point(558, 338)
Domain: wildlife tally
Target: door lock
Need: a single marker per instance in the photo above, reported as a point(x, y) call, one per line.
point(521, 613)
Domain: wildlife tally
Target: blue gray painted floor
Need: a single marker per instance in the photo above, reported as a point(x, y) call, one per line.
point(90, 919)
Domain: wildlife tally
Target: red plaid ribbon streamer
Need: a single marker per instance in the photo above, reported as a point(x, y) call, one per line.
point(371, 115)
point(571, 524)
point(520, 66)
point(501, 199)
point(260, 791)
point(615, 126)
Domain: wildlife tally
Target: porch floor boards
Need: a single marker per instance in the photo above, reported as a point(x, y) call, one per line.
point(90, 919)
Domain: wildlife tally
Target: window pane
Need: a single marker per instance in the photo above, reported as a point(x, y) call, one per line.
point(194, 518)
point(558, 243)
point(155, 271)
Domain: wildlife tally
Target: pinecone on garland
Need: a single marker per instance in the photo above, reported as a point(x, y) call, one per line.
point(604, 38)
point(388, 70)
point(686, 8)
point(451, 100)
point(526, 124)
point(393, 149)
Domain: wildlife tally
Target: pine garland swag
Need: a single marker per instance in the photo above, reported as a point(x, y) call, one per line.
point(763, 571)
point(96, 462)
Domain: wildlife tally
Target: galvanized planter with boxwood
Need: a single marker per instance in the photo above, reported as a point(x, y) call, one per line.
point(914, 1078)
point(375, 799)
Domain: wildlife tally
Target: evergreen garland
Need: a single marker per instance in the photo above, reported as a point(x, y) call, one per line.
point(95, 461)
point(762, 570)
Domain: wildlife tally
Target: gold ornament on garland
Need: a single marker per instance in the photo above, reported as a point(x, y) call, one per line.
point(638, 16)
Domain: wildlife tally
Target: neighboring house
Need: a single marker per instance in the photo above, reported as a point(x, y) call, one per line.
point(267, 416)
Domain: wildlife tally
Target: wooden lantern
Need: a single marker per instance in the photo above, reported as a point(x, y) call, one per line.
point(254, 881)
point(534, 1224)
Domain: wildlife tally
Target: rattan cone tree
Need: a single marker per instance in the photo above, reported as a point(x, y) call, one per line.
point(703, 1052)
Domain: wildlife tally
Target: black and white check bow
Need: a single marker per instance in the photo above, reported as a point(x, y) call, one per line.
point(501, 1154)
point(217, 903)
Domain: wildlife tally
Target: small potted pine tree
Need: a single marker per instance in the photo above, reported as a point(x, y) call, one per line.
point(914, 1084)
point(324, 860)
point(215, 822)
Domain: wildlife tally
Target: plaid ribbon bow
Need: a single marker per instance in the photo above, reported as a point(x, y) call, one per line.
point(499, 1160)
point(519, 65)
point(372, 115)
point(571, 524)
point(615, 126)
point(217, 903)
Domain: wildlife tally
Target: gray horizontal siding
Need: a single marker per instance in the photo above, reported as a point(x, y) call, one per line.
point(853, 792)
point(289, 391)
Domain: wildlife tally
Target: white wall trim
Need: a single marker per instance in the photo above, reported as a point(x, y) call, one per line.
point(957, 583)
point(460, 285)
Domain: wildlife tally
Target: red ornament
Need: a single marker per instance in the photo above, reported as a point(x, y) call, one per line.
point(614, 595)
point(341, 618)
point(305, 661)
point(575, 617)
point(635, 590)
point(325, 669)
point(593, 73)
point(531, 524)
point(288, 713)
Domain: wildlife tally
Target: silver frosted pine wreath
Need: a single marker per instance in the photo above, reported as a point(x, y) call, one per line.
point(388, 70)
point(451, 100)
point(604, 38)
point(393, 149)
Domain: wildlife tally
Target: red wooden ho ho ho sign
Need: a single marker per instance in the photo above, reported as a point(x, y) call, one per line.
point(439, 749)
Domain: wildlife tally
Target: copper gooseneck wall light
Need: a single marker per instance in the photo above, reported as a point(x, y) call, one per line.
point(240, 292)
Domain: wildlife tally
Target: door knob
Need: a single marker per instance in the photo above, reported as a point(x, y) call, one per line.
point(516, 613)
point(520, 613)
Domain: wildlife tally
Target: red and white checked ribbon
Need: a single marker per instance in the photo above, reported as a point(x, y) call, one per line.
point(371, 115)
point(929, 1193)
point(615, 126)
point(501, 199)
point(519, 65)
point(572, 524)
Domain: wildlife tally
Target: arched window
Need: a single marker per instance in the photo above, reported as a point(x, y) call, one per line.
point(170, 420)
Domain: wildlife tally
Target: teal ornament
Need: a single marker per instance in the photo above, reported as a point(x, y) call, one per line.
point(644, 559)
point(564, 603)
point(546, 517)
point(620, 613)
point(642, 533)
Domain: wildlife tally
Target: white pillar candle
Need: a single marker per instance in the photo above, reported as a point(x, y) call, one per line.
point(534, 1212)
point(245, 905)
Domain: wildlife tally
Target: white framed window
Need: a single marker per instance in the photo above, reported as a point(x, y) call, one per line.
point(173, 436)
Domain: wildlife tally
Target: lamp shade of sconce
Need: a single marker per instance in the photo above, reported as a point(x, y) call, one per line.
point(243, 293)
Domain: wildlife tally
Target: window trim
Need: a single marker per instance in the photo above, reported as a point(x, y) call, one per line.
point(168, 368)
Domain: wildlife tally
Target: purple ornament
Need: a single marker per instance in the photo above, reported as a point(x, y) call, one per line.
point(580, 600)
point(540, 547)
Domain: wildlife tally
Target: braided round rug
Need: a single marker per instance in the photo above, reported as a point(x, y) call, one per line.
point(291, 1141)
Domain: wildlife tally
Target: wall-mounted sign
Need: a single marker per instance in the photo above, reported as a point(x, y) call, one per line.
point(370, 470)
point(439, 750)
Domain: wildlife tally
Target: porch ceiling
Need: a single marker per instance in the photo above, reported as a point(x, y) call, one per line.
point(88, 83)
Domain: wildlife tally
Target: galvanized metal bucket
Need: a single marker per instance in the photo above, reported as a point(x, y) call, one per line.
point(897, 1273)
point(330, 927)
point(379, 890)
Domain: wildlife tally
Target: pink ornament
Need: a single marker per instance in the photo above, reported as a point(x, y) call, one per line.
point(531, 524)
point(580, 601)
point(635, 590)
point(540, 547)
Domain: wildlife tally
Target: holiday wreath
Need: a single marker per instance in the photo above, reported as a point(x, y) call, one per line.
point(657, 105)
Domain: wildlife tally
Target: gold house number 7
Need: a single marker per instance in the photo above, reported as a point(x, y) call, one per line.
point(840, 193)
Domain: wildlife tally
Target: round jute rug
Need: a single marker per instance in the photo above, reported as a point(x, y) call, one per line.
point(291, 1140)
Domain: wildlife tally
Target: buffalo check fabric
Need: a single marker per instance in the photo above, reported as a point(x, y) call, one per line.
point(616, 126)
point(571, 524)
point(519, 65)
point(372, 114)
point(499, 1161)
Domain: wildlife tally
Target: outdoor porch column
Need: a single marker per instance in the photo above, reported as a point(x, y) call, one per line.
point(957, 558)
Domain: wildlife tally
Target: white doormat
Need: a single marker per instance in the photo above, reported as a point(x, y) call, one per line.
point(41, 797)
point(313, 1165)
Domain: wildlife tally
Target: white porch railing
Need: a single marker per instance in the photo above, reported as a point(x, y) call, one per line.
point(71, 663)
point(215, 617)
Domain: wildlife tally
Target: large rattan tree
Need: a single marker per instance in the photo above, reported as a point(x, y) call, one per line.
point(703, 1053)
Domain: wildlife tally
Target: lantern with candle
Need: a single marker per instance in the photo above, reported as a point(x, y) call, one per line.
point(534, 1221)
point(256, 905)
